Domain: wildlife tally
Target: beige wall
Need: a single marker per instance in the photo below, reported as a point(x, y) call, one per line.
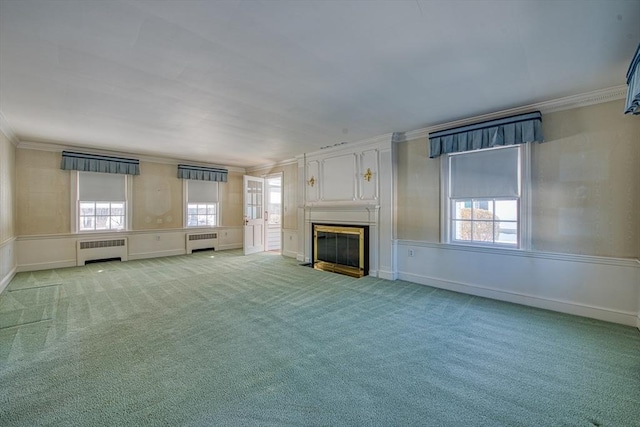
point(586, 182)
point(43, 193)
point(418, 195)
point(44, 206)
point(585, 185)
point(289, 190)
point(7, 189)
point(157, 197)
point(231, 200)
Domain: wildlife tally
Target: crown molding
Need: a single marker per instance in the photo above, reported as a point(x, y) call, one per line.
point(52, 147)
point(7, 131)
point(286, 162)
point(545, 107)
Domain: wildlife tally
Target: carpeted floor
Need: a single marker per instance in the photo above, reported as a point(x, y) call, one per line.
point(223, 339)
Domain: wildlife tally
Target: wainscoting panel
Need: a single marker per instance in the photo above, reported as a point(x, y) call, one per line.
point(44, 252)
point(8, 262)
point(59, 251)
point(601, 288)
point(338, 178)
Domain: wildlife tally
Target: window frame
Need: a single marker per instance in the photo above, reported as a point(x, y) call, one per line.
point(524, 202)
point(185, 205)
point(75, 206)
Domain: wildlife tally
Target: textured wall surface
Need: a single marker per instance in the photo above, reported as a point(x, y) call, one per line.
point(7, 188)
point(44, 205)
point(418, 192)
point(43, 193)
point(585, 185)
point(157, 197)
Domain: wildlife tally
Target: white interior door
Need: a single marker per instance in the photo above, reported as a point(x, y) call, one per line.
point(253, 214)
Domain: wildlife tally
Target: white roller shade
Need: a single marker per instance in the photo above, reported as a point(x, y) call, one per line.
point(202, 191)
point(485, 173)
point(101, 187)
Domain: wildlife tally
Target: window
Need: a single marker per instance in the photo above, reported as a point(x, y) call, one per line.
point(202, 203)
point(101, 201)
point(484, 197)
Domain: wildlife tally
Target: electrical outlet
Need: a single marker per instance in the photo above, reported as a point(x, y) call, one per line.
point(410, 252)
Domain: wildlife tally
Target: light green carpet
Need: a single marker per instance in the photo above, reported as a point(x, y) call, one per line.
point(259, 340)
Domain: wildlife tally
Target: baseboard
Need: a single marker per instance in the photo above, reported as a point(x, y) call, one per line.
point(229, 246)
point(156, 254)
point(638, 321)
point(601, 313)
point(389, 275)
point(47, 265)
point(5, 281)
point(290, 254)
point(300, 257)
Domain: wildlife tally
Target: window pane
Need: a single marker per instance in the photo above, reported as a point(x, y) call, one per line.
point(87, 223)
point(116, 222)
point(462, 209)
point(102, 223)
point(102, 208)
point(483, 231)
point(211, 220)
point(462, 230)
point(507, 210)
point(211, 209)
point(507, 232)
point(87, 208)
point(483, 209)
point(117, 209)
point(192, 220)
point(202, 209)
point(192, 209)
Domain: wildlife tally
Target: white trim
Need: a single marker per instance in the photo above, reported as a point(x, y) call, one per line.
point(380, 141)
point(616, 316)
point(100, 234)
point(589, 259)
point(7, 241)
point(229, 246)
point(8, 278)
point(156, 254)
point(388, 275)
point(545, 107)
point(53, 147)
point(47, 265)
point(290, 254)
point(8, 131)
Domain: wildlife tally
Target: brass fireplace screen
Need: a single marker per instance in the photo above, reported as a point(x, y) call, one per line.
point(341, 249)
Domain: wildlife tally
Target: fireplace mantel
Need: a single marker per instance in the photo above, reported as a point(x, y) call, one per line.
point(352, 185)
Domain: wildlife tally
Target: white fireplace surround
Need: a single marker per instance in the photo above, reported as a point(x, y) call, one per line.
point(355, 215)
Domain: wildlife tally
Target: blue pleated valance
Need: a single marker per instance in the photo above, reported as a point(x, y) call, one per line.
point(633, 81)
point(202, 173)
point(97, 163)
point(506, 131)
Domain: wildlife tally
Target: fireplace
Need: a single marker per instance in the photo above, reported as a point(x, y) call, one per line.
point(341, 249)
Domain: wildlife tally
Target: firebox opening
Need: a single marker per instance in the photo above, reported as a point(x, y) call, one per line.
point(341, 249)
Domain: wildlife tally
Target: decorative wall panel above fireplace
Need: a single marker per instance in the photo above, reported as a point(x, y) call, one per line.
point(344, 177)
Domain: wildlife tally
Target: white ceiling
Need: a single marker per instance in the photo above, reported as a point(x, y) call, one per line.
point(243, 83)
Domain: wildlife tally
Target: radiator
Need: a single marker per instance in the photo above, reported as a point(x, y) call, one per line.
point(196, 241)
point(87, 250)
